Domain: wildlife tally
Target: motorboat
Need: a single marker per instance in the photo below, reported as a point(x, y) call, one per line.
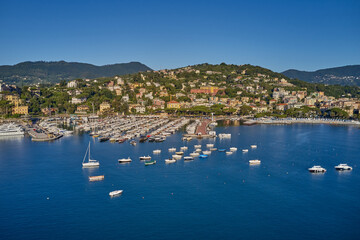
point(179, 153)
point(170, 160)
point(172, 149)
point(115, 193)
point(253, 146)
point(124, 160)
point(254, 162)
point(96, 178)
point(209, 145)
point(197, 146)
point(194, 154)
point(90, 162)
point(207, 152)
point(188, 158)
point(145, 158)
point(233, 149)
point(184, 148)
point(203, 156)
point(317, 169)
point(342, 167)
point(222, 150)
point(224, 135)
point(229, 152)
point(213, 149)
point(245, 150)
point(198, 150)
point(177, 157)
point(157, 151)
point(147, 163)
point(133, 142)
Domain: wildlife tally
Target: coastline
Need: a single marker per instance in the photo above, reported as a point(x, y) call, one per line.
point(303, 121)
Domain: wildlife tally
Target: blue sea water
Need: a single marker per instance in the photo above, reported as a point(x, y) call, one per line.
point(45, 193)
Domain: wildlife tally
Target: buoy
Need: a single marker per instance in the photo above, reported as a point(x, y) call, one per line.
point(47, 198)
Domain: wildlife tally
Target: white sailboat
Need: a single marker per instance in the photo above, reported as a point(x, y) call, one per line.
point(90, 162)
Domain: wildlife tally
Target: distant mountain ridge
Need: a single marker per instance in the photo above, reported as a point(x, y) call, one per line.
point(346, 75)
point(53, 72)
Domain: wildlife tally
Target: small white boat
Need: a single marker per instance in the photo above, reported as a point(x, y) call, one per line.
point(224, 135)
point(209, 145)
point(96, 178)
point(253, 146)
point(124, 160)
point(194, 154)
point(179, 153)
point(213, 149)
point(198, 150)
point(245, 150)
point(145, 158)
point(342, 167)
point(172, 149)
point(157, 151)
point(90, 162)
point(188, 158)
point(170, 160)
point(184, 148)
point(197, 146)
point(233, 149)
point(254, 162)
point(317, 169)
point(207, 152)
point(115, 193)
point(229, 153)
point(177, 157)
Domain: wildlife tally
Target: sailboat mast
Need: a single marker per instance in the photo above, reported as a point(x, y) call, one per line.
point(89, 151)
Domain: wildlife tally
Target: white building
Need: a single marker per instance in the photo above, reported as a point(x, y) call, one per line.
point(75, 100)
point(72, 84)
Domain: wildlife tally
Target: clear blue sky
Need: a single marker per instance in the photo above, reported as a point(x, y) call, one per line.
point(278, 35)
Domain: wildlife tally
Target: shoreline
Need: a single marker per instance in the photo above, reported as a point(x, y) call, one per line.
point(303, 121)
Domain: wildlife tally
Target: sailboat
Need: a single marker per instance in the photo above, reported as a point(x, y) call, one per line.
point(90, 162)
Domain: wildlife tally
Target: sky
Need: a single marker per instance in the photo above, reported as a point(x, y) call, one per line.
point(279, 35)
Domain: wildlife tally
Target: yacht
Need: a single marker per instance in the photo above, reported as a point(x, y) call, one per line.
point(179, 153)
point(229, 152)
point(245, 150)
point(10, 130)
point(213, 149)
point(233, 149)
point(197, 146)
point(209, 145)
point(342, 167)
point(157, 151)
point(207, 152)
point(184, 148)
point(124, 160)
point(115, 193)
point(90, 162)
point(317, 169)
point(253, 146)
point(188, 158)
point(254, 162)
point(145, 157)
point(198, 150)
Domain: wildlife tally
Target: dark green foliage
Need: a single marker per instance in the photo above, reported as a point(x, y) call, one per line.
point(54, 72)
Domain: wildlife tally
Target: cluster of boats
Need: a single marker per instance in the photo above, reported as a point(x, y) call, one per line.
point(340, 167)
point(11, 129)
point(153, 129)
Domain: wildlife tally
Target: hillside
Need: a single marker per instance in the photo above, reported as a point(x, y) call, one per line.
point(347, 75)
point(53, 72)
